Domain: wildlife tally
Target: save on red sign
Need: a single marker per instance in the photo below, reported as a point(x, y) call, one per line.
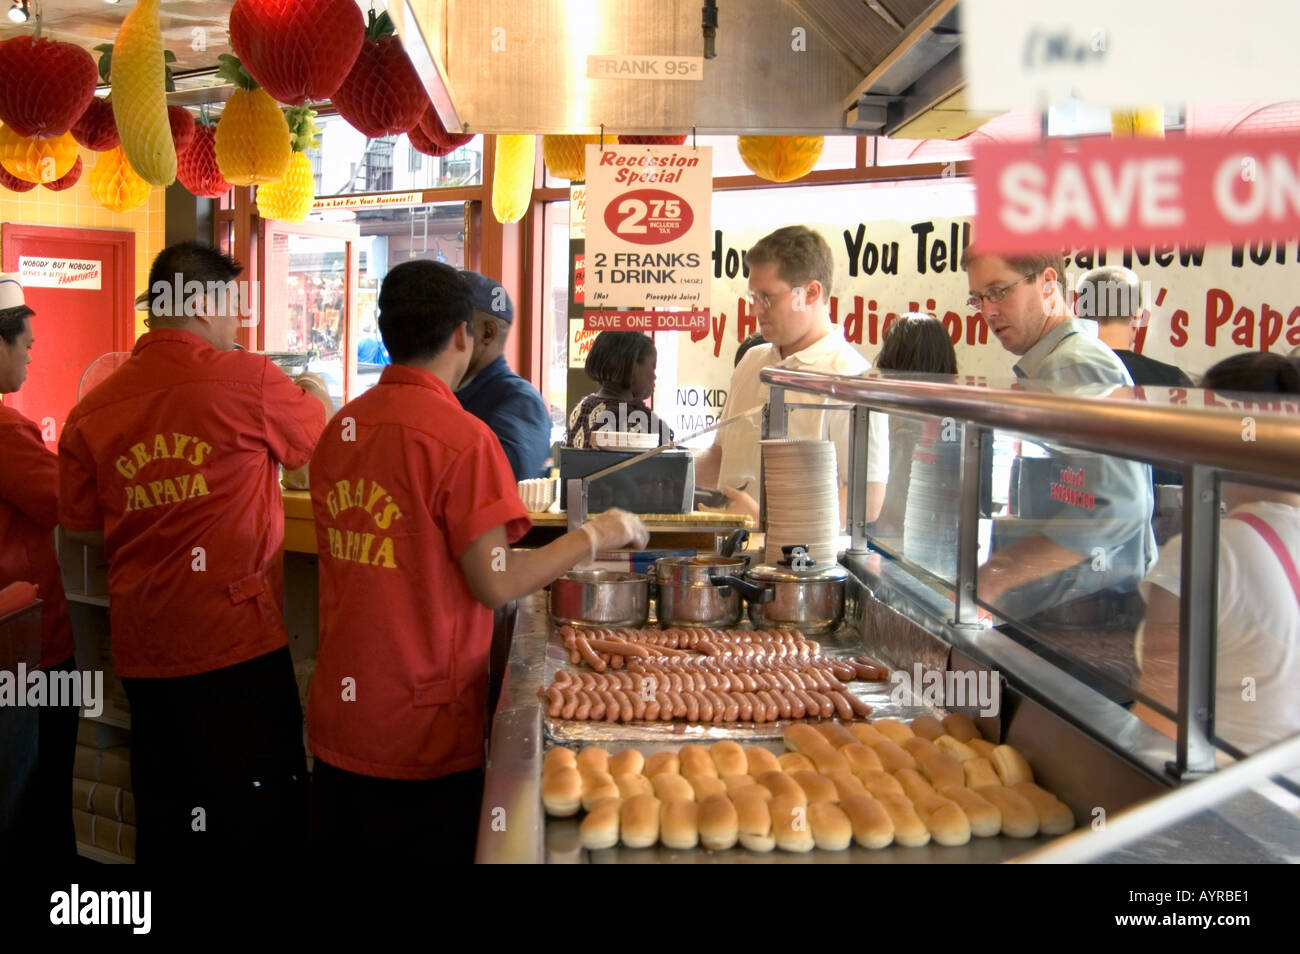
point(1136, 191)
point(647, 320)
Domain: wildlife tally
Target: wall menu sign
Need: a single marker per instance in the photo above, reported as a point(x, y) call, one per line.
point(385, 200)
point(649, 235)
point(60, 272)
point(1139, 191)
point(1121, 54)
point(695, 320)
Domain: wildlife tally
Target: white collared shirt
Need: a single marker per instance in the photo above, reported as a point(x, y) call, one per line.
point(740, 439)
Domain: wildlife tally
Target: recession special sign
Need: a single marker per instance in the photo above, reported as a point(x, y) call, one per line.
point(1140, 191)
point(649, 235)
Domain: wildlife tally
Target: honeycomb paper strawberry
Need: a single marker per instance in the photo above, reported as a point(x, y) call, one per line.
point(44, 86)
point(139, 74)
point(290, 199)
point(196, 167)
point(182, 126)
point(13, 183)
point(422, 143)
point(431, 126)
point(114, 184)
point(512, 181)
point(96, 129)
point(68, 181)
point(252, 136)
point(297, 50)
point(37, 160)
point(382, 94)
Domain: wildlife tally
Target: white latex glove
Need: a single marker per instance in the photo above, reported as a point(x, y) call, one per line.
point(614, 529)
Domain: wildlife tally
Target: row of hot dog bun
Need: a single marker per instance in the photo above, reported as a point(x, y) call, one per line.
point(875, 784)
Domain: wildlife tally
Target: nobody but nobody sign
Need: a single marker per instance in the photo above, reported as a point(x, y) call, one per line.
point(1136, 191)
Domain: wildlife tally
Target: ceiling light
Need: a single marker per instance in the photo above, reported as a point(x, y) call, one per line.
point(18, 12)
point(113, 1)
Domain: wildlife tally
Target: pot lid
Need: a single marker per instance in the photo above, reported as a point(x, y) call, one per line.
point(796, 565)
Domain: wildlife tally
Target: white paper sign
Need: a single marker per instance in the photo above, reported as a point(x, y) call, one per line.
point(616, 66)
point(578, 211)
point(648, 226)
point(1118, 53)
point(39, 272)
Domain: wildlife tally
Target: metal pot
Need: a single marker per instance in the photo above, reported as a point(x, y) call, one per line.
point(794, 593)
point(687, 597)
point(600, 598)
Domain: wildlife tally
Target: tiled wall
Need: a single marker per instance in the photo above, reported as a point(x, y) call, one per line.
point(74, 208)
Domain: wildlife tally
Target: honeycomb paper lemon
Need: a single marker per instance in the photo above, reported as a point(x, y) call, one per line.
point(289, 199)
point(37, 160)
point(252, 137)
point(566, 156)
point(780, 158)
point(139, 79)
point(512, 187)
point(1146, 123)
point(114, 184)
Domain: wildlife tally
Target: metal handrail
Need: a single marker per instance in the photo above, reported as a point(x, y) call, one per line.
point(1176, 435)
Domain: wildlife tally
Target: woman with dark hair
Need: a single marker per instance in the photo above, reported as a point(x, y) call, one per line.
point(920, 498)
point(623, 364)
point(1254, 372)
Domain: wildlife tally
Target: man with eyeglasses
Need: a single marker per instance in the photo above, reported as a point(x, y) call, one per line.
point(790, 274)
point(1083, 541)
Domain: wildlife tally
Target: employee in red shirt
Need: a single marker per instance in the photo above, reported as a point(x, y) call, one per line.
point(175, 458)
point(29, 505)
point(416, 509)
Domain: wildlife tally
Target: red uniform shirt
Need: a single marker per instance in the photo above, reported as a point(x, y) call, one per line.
point(402, 482)
point(29, 509)
point(175, 456)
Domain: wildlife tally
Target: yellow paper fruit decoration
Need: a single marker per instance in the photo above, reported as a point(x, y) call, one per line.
point(1146, 123)
point(512, 183)
point(139, 78)
point(252, 138)
point(566, 156)
point(37, 160)
point(115, 185)
point(290, 199)
point(780, 158)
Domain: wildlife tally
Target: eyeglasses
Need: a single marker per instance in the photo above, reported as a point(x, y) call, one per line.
point(994, 295)
point(766, 300)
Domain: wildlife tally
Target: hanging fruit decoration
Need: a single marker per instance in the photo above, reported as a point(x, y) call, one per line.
point(382, 94)
point(182, 126)
point(297, 50)
point(44, 85)
point(566, 156)
point(252, 136)
point(139, 75)
point(96, 129)
point(114, 184)
point(290, 199)
point(1147, 123)
point(780, 158)
point(37, 160)
point(13, 183)
point(512, 180)
point(68, 181)
point(430, 136)
point(652, 140)
point(196, 167)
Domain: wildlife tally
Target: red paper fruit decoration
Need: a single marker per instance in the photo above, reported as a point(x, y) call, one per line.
point(13, 183)
point(44, 86)
point(382, 94)
point(182, 123)
point(297, 50)
point(96, 129)
point(196, 167)
point(432, 127)
point(68, 181)
point(652, 140)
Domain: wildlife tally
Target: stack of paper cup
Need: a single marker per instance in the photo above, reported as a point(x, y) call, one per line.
point(799, 478)
point(537, 495)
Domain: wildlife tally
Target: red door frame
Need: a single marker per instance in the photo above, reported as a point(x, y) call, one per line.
point(123, 275)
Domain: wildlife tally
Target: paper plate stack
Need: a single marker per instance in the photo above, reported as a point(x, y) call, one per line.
point(802, 498)
point(537, 494)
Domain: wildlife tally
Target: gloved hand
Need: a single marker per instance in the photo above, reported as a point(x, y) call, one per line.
point(613, 529)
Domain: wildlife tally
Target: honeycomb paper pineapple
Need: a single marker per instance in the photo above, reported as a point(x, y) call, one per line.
point(139, 76)
point(780, 158)
point(114, 184)
point(252, 135)
point(512, 185)
point(566, 156)
point(37, 160)
point(290, 199)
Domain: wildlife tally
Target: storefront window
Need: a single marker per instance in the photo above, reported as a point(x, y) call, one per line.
point(348, 162)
